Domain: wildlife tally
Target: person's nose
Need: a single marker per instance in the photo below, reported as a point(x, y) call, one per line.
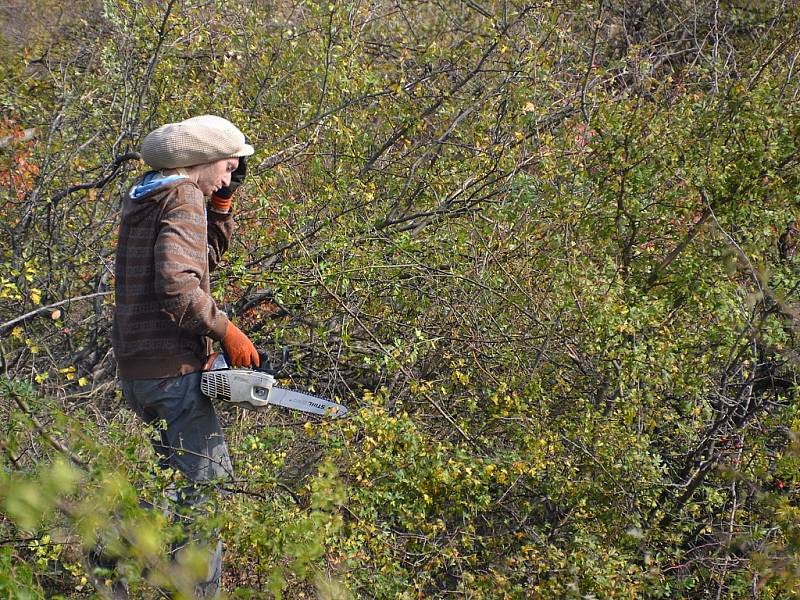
point(226, 181)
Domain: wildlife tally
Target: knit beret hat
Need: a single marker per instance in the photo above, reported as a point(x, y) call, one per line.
point(195, 141)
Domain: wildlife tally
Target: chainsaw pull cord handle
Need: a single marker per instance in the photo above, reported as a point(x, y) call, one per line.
point(211, 363)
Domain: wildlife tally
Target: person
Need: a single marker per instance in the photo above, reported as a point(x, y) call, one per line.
point(165, 319)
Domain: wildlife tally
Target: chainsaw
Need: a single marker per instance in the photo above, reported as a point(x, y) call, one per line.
point(256, 389)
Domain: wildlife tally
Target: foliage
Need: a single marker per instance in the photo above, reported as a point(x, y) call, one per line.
point(545, 253)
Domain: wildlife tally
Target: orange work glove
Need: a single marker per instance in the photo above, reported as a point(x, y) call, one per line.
point(239, 348)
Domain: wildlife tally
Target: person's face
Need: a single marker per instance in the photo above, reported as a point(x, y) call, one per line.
point(212, 176)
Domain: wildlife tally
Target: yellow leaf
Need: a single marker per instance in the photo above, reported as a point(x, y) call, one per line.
point(17, 332)
point(83, 381)
point(36, 295)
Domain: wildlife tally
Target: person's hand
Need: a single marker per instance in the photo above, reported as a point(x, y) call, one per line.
point(240, 350)
point(221, 199)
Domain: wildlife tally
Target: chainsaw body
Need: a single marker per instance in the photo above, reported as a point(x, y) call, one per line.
point(250, 389)
point(255, 390)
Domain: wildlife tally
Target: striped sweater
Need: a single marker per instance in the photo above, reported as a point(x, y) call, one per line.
point(165, 318)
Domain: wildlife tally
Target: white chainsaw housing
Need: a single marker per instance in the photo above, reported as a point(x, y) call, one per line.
point(245, 388)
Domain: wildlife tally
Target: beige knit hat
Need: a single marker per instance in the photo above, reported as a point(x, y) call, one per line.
point(195, 141)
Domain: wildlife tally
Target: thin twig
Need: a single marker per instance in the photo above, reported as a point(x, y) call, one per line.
point(98, 183)
point(41, 309)
point(23, 406)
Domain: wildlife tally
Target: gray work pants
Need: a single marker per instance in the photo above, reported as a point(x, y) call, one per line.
point(190, 440)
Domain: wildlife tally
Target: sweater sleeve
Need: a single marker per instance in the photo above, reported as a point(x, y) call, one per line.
point(181, 256)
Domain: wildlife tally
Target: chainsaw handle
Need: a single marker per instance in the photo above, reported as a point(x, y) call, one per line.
point(265, 367)
point(266, 364)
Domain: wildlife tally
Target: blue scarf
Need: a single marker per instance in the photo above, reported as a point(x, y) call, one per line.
point(152, 182)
